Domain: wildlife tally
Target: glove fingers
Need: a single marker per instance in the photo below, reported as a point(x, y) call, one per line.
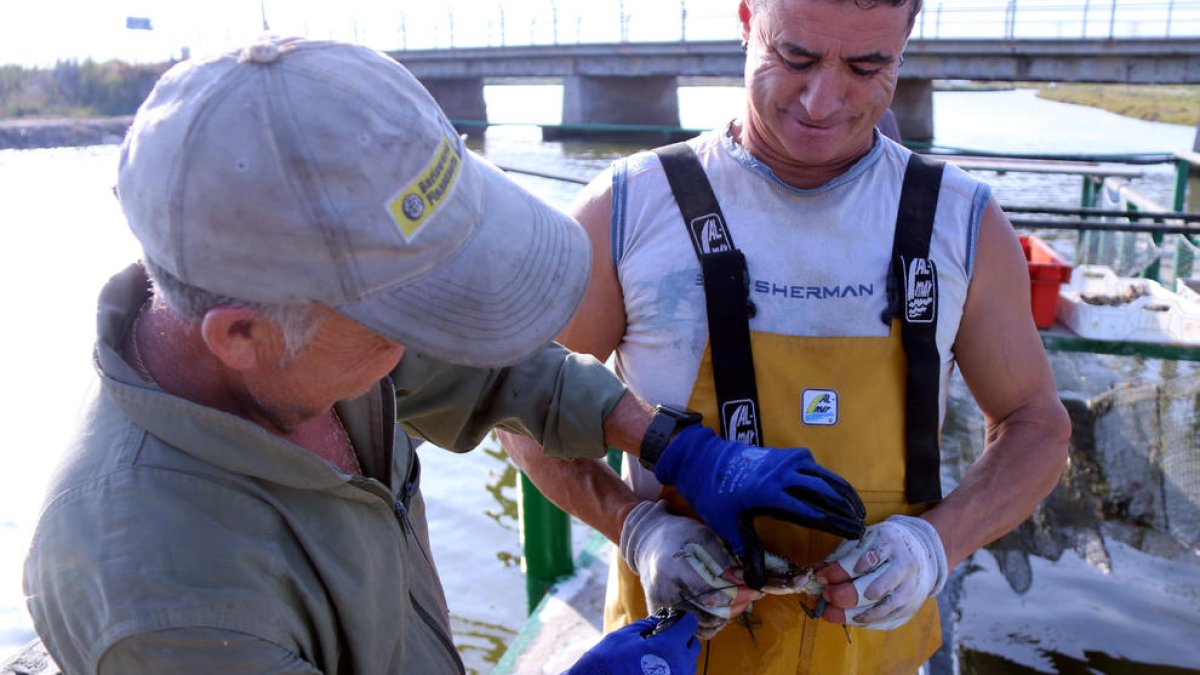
point(877, 615)
point(863, 584)
point(754, 571)
point(839, 485)
point(860, 557)
point(816, 490)
point(840, 527)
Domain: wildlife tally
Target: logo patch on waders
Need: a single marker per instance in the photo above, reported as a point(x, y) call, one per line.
point(740, 421)
point(920, 291)
point(819, 407)
point(709, 234)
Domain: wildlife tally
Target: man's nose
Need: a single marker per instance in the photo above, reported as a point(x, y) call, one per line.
point(825, 94)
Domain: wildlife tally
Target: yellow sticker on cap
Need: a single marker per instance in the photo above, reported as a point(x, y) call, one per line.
point(413, 205)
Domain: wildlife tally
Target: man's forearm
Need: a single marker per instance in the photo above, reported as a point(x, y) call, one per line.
point(626, 424)
point(586, 488)
point(1021, 465)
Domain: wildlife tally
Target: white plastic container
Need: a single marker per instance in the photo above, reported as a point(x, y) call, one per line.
point(1099, 305)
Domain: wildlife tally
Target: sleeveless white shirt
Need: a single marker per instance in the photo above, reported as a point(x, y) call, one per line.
point(817, 259)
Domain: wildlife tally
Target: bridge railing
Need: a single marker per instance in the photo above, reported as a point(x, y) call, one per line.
point(496, 23)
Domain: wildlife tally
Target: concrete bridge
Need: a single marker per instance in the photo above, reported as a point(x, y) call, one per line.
point(634, 83)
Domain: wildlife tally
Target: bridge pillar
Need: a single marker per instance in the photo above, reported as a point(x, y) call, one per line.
point(461, 98)
point(913, 104)
point(590, 99)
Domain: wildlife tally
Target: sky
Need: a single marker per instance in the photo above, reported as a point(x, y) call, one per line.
point(41, 32)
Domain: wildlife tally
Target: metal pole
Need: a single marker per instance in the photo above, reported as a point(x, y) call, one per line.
point(1083, 34)
point(403, 32)
point(621, 16)
point(683, 20)
point(545, 541)
point(1170, 10)
point(262, 7)
point(501, 6)
point(1112, 19)
point(554, 19)
point(450, 15)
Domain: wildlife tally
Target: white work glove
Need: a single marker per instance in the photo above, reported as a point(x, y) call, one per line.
point(682, 563)
point(896, 566)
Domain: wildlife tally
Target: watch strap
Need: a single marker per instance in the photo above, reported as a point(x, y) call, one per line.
point(666, 421)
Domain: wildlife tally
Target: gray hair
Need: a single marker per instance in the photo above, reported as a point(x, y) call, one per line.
point(867, 4)
point(298, 323)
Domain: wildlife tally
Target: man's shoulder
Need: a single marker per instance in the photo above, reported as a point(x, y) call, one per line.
point(143, 548)
point(647, 162)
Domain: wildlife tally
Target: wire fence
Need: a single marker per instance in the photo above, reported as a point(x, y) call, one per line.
point(496, 23)
point(176, 30)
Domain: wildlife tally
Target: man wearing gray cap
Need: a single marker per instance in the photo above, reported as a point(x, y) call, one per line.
point(327, 270)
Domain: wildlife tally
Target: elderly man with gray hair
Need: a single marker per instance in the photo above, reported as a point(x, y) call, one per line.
point(327, 271)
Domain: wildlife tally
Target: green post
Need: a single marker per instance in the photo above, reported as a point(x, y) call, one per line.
point(1183, 170)
point(1090, 190)
point(545, 541)
point(614, 460)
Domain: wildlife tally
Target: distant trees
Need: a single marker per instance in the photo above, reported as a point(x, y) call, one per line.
point(73, 89)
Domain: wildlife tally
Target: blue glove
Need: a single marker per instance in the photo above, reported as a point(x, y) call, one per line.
point(729, 483)
point(645, 647)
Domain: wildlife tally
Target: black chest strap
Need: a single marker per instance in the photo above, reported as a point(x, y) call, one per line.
point(912, 294)
point(726, 294)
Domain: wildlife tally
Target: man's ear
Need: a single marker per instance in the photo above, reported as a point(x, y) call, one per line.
point(744, 19)
point(239, 336)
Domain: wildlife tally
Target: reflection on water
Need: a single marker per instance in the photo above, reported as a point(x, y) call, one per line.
point(1106, 574)
point(481, 644)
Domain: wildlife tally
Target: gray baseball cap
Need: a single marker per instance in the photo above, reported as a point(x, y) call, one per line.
point(296, 171)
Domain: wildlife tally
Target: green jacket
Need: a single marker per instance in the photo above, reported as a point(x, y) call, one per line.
point(178, 538)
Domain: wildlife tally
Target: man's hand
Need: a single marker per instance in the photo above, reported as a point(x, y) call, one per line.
point(683, 562)
point(729, 483)
point(881, 580)
point(641, 648)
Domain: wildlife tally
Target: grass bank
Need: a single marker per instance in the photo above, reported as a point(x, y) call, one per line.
point(1174, 104)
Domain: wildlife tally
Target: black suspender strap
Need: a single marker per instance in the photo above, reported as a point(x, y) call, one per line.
point(914, 277)
point(726, 291)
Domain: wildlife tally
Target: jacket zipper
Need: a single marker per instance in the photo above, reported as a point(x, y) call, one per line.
point(446, 642)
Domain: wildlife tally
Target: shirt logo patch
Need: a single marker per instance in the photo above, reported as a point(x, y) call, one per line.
point(819, 407)
point(413, 205)
point(709, 234)
point(740, 421)
point(920, 291)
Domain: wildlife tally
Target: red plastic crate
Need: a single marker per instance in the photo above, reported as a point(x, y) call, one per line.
point(1047, 271)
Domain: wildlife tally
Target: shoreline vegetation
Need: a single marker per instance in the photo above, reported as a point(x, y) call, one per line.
point(90, 103)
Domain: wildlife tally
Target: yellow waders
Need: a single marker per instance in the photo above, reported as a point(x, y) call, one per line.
point(866, 447)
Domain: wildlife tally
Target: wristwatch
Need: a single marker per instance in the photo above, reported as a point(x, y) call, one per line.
point(666, 421)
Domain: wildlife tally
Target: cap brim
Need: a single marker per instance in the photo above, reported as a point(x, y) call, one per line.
point(502, 296)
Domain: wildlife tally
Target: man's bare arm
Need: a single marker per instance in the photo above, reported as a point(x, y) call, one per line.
point(1003, 362)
